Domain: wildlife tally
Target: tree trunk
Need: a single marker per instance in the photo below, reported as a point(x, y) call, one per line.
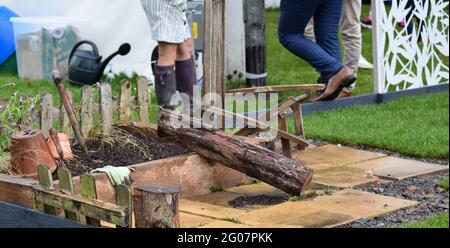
point(289, 175)
point(156, 207)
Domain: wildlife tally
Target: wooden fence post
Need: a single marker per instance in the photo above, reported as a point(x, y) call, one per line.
point(46, 114)
point(63, 118)
point(156, 207)
point(86, 118)
point(124, 198)
point(143, 99)
point(66, 185)
point(125, 100)
point(46, 181)
point(89, 190)
point(106, 107)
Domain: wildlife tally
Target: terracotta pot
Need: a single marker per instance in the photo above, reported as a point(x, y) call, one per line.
point(29, 149)
point(65, 145)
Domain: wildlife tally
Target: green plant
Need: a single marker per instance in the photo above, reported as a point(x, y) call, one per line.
point(444, 183)
point(233, 220)
point(15, 115)
point(216, 187)
point(309, 195)
point(250, 181)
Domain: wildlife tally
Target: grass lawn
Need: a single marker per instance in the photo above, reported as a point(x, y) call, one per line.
point(444, 183)
point(286, 68)
point(416, 126)
point(436, 221)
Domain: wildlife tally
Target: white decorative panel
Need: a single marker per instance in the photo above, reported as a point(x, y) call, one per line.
point(408, 60)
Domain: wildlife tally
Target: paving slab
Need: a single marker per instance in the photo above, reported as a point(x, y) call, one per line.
point(359, 204)
point(295, 214)
point(342, 176)
point(225, 224)
point(209, 210)
point(256, 189)
point(319, 157)
point(217, 198)
point(398, 169)
point(194, 221)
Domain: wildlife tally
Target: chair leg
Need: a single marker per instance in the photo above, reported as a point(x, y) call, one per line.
point(299, 129)
point(283, 126)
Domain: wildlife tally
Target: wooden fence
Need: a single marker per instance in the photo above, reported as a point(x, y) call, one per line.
point(84, 208)
point(98, 100)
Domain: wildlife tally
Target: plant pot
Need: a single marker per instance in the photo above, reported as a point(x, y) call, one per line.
point(29, 149)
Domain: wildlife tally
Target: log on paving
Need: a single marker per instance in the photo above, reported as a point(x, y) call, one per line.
point(289, 175)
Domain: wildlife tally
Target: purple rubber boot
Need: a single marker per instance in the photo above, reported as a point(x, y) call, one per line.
point(165, 85)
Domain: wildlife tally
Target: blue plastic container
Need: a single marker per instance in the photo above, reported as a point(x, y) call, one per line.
point(7, 46)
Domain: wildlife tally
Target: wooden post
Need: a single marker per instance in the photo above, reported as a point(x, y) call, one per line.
point(124, 199)
point(46, 114)
point(89, 190)
point(86, 118)
point(143, 99)
point(125, 100)
point(106, 107)
point(66, 185)
point(298, 120)
point(283, 126)
point(64, 118)
point(255, 42)
point(156, 207)
point(46, 181)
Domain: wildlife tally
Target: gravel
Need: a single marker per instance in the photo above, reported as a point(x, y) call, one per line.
point(433, 200)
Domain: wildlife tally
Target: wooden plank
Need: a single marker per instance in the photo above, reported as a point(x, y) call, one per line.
point(66, 185)
point(143, 99)
point(106, 107)
point(17, 190)
point(87, 105)
point(260, 125)
point(63, 118)
point(46, 181)
point(124, 199)
point(214, 55)
point(279, 88)
point(46, 114)
point(91, 208)
point(125, 100)
point(89, 190)
point(285, 105)
point(286, 144)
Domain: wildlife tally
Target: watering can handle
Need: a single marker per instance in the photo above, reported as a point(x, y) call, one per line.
point(92, 44)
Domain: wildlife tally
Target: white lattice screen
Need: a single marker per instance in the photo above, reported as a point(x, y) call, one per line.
point(407, 58)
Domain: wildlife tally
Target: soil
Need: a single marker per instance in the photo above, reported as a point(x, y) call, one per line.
point(121, 153)
point(424, 189)
point(258, 200)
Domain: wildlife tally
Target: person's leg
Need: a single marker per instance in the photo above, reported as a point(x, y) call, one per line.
point(185, 69)
point(326, 27)
point(350, 28)
point(295, 15)
point(165, 79)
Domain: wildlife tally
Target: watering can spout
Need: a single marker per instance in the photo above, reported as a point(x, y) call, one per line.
point(124, 49)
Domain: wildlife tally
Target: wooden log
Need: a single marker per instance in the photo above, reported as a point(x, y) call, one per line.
point(156, 207)
point(87, 110)
point(279, 88)
point(289, 175)
point(143, 99)
point(106, 107)
point(46, 114)
point(125, 100)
